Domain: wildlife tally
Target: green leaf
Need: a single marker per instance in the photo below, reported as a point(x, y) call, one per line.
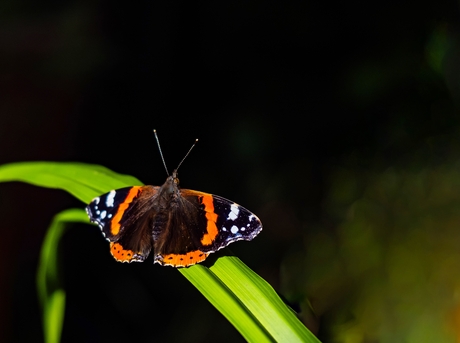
point(244, 298)
point(261, 315)
point(227, 303)
point(84, 181)
point(51, 294)
point(261, 300)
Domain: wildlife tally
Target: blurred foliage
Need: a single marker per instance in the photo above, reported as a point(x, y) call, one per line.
point(383, 262)
point(388, 270)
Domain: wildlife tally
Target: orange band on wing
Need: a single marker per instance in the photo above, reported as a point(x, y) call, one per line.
point(211, 228)
point(115, 227)
point(121, 254)
point(184, 260)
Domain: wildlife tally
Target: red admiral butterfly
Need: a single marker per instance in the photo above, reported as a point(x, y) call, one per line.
point(182, 226)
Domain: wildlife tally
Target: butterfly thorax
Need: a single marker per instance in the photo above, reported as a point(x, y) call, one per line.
point(169, 193)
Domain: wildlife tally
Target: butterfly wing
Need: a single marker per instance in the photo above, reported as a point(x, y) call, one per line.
point(124, 218)
point(233, 223)
point(227, 221)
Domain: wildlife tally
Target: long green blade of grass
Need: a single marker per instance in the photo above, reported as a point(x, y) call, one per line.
point(244, 298)
point(84, 181)
point(227, 303)
point(51, 293)
point(260, 298)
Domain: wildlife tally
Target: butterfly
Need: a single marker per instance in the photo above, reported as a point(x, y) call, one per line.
point(181, 226)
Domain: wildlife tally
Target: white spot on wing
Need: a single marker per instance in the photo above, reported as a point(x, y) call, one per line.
point(110, 198)
point(103, 214)
point(234, 229)
point(234, 211)
point(96, 200)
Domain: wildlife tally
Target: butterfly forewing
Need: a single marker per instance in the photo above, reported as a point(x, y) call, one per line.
point(123, 217)
point(225, 221)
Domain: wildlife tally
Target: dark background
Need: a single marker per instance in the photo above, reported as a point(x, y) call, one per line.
point(300, 109)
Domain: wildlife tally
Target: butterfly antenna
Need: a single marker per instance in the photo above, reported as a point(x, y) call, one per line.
point(188, 152)
point(161, 153)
